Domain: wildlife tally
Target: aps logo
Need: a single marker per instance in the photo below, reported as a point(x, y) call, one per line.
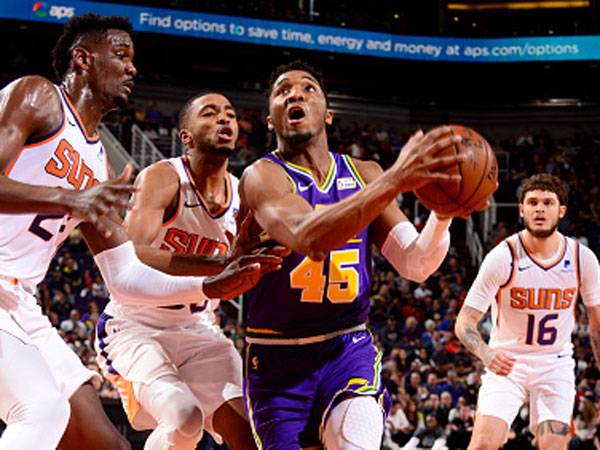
point(40, 9)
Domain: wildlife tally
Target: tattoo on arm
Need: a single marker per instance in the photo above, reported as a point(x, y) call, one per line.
point(553, 427)
point(468, 333)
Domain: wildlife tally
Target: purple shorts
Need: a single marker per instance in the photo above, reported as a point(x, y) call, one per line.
point(290, 389)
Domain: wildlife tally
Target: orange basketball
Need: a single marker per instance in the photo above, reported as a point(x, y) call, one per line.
point(479, 176)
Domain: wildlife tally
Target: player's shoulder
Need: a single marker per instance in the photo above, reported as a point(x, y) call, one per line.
point(34, 92)
point(367, 169)
point(263, 171)
point(585, 253)
point(502, 251)
point(159, 174)
point(45, 90)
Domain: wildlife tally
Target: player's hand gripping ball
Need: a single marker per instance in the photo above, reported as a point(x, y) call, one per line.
point(479, 177)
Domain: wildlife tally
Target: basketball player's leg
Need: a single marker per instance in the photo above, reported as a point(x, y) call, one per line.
point(551, 401)
point(230, 421)
point(174, 407)
point(498, 403)
point(353, 416)
point(489, 433)
point(355, 423)
point(280, 386)
point(213, 371)
point(552, 435)
point(31, 404)
point(89, 427)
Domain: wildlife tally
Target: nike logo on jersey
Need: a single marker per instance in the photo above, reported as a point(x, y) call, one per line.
point(304, 187)
point(71, 123)
point(521, 269)
point(194, 205)
point(562, 356)
point(356, 340)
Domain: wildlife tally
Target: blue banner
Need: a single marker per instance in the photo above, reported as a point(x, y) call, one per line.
point(310, 37)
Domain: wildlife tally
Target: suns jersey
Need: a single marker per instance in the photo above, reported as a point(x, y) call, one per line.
point(66, 158)
point(308, 298)
point(192, 229)
point(533, 306)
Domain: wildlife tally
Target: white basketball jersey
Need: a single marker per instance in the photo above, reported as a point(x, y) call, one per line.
point(67, 158)
point(534, 310)
point(192, 230)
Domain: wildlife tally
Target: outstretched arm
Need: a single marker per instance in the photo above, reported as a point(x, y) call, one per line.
point(132, 282)
point(290, 220)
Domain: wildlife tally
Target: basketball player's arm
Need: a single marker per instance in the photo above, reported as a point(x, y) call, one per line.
point(494, 271)
point(157, 194)
point(30, 108)
point(590, 293)
point(414, 255)
point(132, 282)
point(291, 221)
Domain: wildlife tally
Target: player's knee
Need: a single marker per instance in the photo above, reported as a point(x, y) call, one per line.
point(551, 442)
point(355, 423)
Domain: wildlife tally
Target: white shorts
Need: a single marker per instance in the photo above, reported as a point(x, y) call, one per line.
point(197, 353)
point(547, 382)
point(21, 317)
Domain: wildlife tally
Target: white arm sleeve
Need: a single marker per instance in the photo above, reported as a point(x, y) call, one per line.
point(495, 271)
point(132, 282)
point(590, 276)
point(417, 255)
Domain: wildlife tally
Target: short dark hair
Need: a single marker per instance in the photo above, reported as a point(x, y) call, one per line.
point(87, 25)
point(187, 106)
point(545, 182)
point(297, 65)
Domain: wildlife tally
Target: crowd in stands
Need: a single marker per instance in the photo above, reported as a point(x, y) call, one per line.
point(432, 379)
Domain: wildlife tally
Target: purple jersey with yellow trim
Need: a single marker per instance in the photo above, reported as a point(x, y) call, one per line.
point(308, 298)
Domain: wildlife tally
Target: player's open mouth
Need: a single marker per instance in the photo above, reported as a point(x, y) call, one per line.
point(129, 86)
point(295, 114)
point(225, 134)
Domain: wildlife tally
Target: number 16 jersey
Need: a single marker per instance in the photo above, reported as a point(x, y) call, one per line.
point(310, 298)
point(533, 302)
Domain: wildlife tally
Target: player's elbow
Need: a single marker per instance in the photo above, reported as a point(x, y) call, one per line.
point(316, 254)
point(312, 248)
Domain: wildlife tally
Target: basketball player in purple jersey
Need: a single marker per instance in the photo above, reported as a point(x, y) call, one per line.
point(312, 372)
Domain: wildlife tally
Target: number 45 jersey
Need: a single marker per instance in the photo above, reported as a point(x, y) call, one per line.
point(310, 298)
point(67, 158)
point(533, 302)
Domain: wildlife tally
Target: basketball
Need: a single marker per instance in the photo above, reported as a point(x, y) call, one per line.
point(479, 176)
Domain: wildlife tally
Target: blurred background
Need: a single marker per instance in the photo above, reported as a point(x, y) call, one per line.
point(540, 114)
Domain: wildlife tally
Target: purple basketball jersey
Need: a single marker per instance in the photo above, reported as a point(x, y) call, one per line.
point(308, 298)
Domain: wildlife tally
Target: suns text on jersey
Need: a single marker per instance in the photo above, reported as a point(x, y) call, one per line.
point(67, 162)
point(542, 298)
